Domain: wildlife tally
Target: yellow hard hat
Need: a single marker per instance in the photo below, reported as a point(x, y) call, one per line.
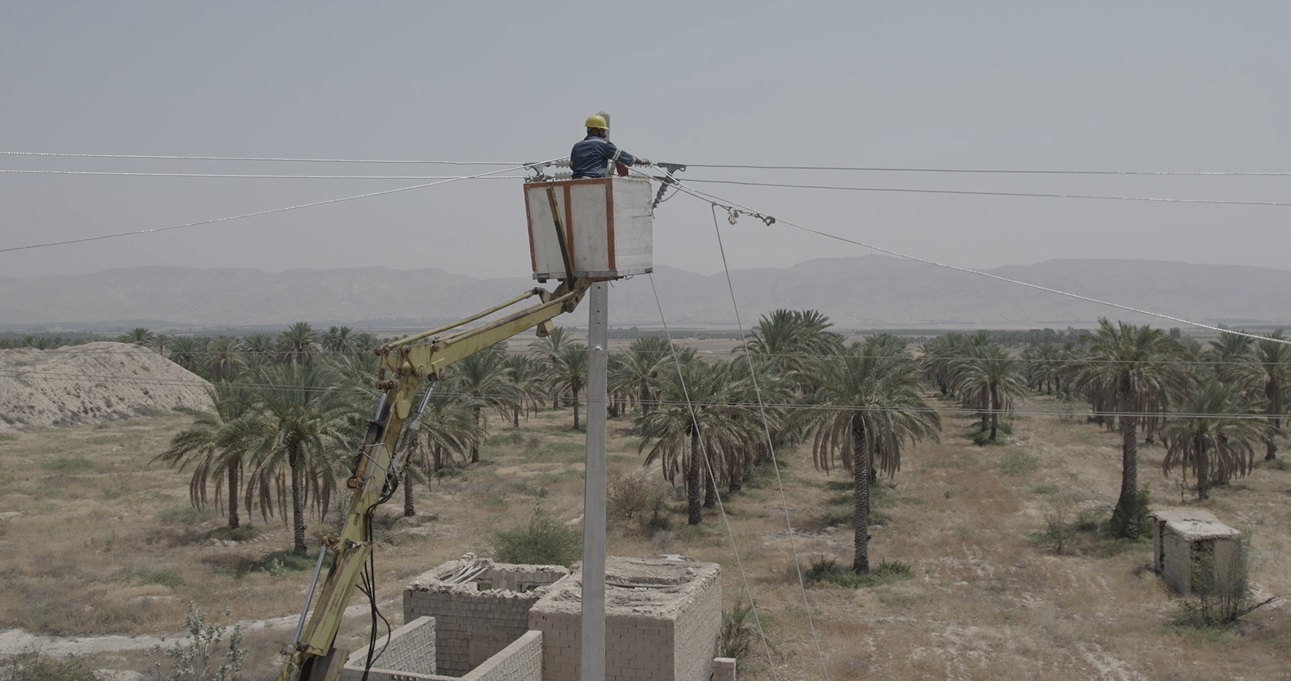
point(597, 121)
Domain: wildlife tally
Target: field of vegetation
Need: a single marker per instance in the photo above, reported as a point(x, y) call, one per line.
point(1000, 535)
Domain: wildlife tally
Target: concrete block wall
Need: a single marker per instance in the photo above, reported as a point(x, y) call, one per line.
point(470, 627)
point(519, 661)
point(723, 669)
point(660, 627)
point(697, 628)
point(637, 648)
point(1180, 534)
point(410, 655)
point(477, 618)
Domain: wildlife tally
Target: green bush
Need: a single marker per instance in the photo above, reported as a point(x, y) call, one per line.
point(738, 631)
point(828, 571)
point(240, 533)
point(543, 541)
point(1018, 463)
point(205, 655)
point(280, 563)
point(37, 666)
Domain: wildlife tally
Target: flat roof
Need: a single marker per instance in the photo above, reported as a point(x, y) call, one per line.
point(1194, 523)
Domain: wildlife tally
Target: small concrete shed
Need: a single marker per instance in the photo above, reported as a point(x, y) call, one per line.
point(1193, 550)
point(476, 620)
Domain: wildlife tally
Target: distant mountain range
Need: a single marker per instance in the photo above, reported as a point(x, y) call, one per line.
point(856, 292)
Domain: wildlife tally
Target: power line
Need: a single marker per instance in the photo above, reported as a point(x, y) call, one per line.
point(1077, 410)
point(771, 450)
point(769, 355)
point(260, 159)
point(737, 209)
point(251, 176)
point(884, 169)
point(257, 213)
point(721, 506)
point(962, 192)
point(1001, 171)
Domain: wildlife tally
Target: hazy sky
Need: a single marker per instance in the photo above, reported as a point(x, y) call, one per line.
point(1174, 85)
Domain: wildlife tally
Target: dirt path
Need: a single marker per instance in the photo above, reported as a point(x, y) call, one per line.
point(14, 641)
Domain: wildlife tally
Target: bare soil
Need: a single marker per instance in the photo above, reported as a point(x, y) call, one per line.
point(98, 543)
point(91, 383)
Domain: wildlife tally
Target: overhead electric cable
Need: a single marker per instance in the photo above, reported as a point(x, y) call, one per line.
point(736, 208)
point(775, 464)
point(964, 192)
point(1001, 171)
point(249, 176)
point(735, 166)
point(721, 506)
point(257, 213)
point(261, 159)
point(78, 377)
point(778, 355)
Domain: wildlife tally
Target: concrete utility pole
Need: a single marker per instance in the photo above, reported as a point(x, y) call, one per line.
point(593, 624)
point(592, 660)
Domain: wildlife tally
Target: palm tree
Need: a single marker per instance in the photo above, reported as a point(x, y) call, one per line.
point(702, 428)
point(258, 349)
point(1210, 438)
point(1230, 348)
point(483, 377)
point(1136, 366)
point(545, 348)
point(867, 408)
point(224, 358)
point(338, 339)
point(793, 340)
point(297, 344)
point(186, 351)
point(216, 443)
point(568, 373)
point(300, 441)
point(1043, 367)
point(990, 380)
point(943, 355)
point(139, 336)
point(447, 427)
point(526, 378)
point(1266, 371)
point(639, 372)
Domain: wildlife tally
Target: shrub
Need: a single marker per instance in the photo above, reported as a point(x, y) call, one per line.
point(279, 563)
point(239, 534)
point(631, 495)
point(738, 630)
point(1220, 596)
point(37, 666)
point(1059, 528)
point(198, 657)
point(826, 570)
point(1018, 463)
point(543, 541)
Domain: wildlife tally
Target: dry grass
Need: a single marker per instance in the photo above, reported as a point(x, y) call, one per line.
point(107, 545)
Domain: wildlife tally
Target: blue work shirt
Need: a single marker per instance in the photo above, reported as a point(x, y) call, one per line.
point(592, 156)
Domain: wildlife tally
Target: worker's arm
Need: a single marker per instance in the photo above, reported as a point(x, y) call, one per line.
point(624, 157)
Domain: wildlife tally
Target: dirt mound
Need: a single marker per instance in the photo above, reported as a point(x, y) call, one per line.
point(91, 383)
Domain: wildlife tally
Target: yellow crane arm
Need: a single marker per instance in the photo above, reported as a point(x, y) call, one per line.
point(405, 363)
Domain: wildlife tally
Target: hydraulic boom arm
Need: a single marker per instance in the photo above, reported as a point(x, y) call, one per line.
point(379, 462)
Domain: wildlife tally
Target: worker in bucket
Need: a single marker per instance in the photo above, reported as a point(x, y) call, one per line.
point(592, 156)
